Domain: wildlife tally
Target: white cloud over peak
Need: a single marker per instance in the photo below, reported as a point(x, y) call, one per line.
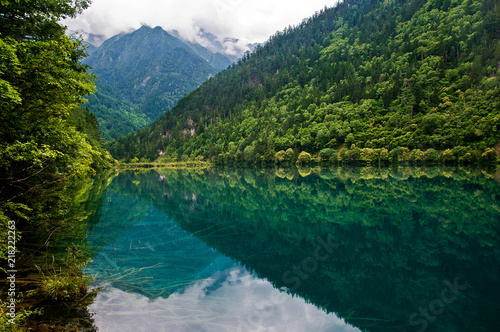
point(248, 21)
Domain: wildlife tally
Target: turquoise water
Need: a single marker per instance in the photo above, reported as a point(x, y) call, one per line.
point(363, 249)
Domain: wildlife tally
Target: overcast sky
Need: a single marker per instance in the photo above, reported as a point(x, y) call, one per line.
point(250, 21)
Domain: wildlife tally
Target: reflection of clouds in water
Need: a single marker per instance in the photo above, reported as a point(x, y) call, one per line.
point(234, 300)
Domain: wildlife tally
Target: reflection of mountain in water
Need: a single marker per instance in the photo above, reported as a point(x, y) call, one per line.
point(381, 248)
point(232, 300)
point(143, 251)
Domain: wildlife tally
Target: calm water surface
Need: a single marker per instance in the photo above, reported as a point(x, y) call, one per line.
point(362, 249)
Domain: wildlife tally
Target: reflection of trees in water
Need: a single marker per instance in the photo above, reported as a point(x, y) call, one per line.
point(53, 252)
point(402, 232)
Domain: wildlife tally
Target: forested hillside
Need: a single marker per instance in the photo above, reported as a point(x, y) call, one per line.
point(143, 73)
point(117, 116)
point(46, 139)
point(367, 80)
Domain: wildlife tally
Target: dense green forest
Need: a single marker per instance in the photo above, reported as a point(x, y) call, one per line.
point(47, 141)
point(367, 80)
point(116, 116)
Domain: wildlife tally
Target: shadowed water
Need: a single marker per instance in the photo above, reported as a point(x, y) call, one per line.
point(364, 249)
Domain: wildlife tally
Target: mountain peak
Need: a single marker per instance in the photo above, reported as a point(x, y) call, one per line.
point(148, 29)
point(150, 70)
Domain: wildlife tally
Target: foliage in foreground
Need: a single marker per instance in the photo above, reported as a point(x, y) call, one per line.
point(45, 138)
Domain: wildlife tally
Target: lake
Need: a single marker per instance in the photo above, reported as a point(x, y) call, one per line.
point(287, 249)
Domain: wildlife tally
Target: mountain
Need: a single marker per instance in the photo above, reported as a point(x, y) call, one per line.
point(231, 48)
point(90, 48)
point(365, 81)
point(88, 38)
point(215, 60)
point(144, 73)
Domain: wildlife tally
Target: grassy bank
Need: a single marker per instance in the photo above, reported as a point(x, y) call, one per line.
point(173, 164)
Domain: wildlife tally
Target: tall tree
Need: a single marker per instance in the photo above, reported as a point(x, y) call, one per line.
point(41, 81)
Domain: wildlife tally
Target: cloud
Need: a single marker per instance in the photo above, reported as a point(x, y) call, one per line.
point(231, 300)
point(248, 21)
